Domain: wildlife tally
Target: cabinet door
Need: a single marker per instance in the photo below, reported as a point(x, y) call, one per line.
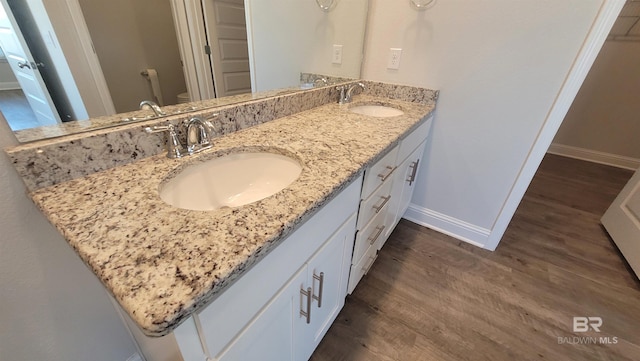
point(272, 333)
point(403, 185)
point(328, 274)
point(411, 166)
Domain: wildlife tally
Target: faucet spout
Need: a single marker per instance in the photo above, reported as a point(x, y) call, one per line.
point(153, 106)
point(198, 134)
point(348, 94)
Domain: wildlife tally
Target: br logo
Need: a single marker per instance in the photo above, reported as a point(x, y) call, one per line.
point(583, 324)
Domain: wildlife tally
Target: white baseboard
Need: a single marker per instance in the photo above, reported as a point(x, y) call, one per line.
point(135, 357)
point(450, 226)
point(9, 85)
point(594, 156)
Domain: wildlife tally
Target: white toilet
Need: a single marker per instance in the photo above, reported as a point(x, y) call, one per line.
point(183, 98)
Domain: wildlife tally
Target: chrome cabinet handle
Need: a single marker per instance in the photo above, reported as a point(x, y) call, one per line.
point(378, 233)
point(385, 176)
point(378, 208)
point(414, 170)
point(24, 64)
point(320, 280)
point(306, 293)
point(367, 268)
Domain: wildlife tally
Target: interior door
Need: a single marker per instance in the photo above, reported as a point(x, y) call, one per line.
point(226, 29)
point(25, 69)
point(622, 221)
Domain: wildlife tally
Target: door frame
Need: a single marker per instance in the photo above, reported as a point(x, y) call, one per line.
point(80, 43)
point(188, 18)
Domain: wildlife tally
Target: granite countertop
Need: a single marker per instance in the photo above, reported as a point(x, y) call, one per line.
point(162, 263)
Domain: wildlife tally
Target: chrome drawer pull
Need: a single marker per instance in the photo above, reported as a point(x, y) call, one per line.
point(414, 170)
point(321, 286)
point(306, 293)
point(379, 208)
point(367, 268)
point(378, 233)
point(385, 176)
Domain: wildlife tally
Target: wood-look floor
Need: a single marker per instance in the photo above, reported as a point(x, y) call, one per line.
point(16, 110)
point(431, 297)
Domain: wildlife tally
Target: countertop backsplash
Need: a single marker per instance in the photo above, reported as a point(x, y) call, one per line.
point(51, 161)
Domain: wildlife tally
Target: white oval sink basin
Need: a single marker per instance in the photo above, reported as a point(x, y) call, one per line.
point(230, 181)
point(380, 111)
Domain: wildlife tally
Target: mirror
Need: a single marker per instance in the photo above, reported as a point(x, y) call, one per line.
point(287, 44)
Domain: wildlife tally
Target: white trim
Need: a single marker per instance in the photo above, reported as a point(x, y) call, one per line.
point(582, 64)
point(190, 31)
point(85, 48)
point(594, 156)
point(135, 357)
point(9, 85)
point(450, 226)
point(250, 42)
point(184, 44)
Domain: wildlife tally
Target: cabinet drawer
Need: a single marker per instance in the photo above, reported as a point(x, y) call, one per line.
point(370, 234)
point(361, 268)
point(413, 140)
point(373, 205)
point(376, 174)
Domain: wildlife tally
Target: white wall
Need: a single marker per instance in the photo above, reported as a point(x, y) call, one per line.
point(51, 306)
point(500, 65)
point(287, 37)
point(143, 38)
point(603, 123)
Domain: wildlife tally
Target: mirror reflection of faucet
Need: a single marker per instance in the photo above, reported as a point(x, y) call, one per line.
point(148, 104)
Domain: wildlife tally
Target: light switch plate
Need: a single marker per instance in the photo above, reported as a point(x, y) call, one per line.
point(336, 57)
point(394, 58)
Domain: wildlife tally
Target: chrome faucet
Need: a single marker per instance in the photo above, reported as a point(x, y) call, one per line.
point(150, 104)
point(322, 80)
point(346, 93)
point(198, 134)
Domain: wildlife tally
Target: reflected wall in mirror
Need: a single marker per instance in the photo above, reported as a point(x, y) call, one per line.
point(159, 50)
point(129, 38)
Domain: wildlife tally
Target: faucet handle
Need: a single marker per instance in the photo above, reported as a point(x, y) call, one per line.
point(342, 89)
point(174, 147)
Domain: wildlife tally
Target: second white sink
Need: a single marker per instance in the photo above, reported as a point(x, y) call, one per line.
point(230, 181)
point(374, 110)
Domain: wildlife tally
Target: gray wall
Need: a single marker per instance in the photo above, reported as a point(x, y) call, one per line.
point(605, 116)
point(130, 36)
point(51, 306)
point(500, 66)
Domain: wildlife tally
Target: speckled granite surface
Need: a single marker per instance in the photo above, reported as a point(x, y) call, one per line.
point(82, 126)
point(50, 161)
point(163, 263)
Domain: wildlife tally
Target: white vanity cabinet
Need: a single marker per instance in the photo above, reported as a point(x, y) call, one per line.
point(386, 193)
point(281, 308)
point(295, 320)
point(372, 216)
point(409, 158)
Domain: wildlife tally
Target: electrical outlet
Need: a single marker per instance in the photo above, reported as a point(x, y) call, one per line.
point(336, 57)
point(394, 58)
